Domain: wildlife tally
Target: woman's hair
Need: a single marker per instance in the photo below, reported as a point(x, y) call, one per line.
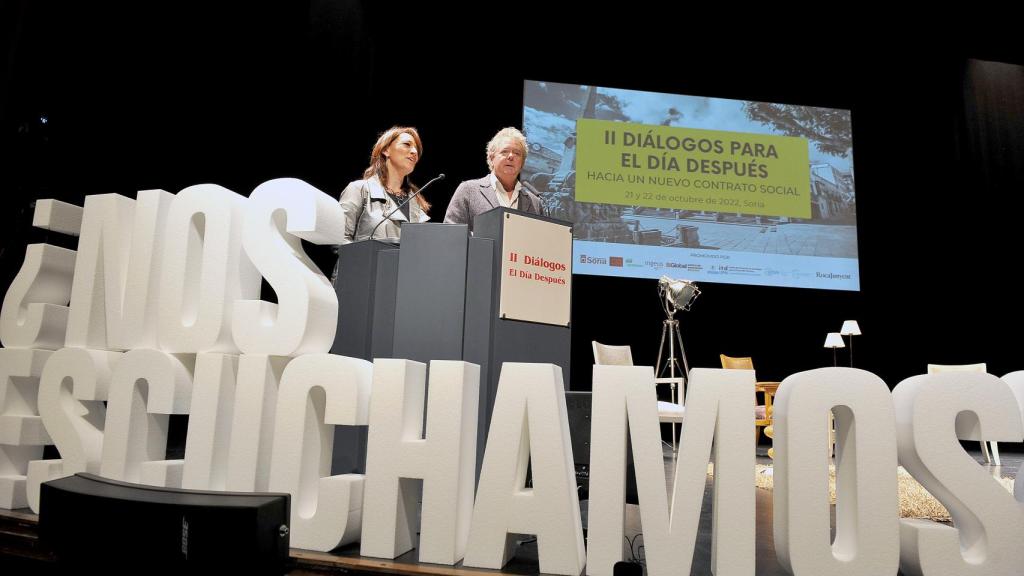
point(505, 134)
point(379, 163)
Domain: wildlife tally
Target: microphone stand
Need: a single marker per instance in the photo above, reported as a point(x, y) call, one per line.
point(403, 203)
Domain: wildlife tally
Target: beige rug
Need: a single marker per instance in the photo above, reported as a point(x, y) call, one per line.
point(915, 501)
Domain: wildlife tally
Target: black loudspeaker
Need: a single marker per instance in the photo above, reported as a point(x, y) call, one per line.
point(93, 522)
point(627, 569)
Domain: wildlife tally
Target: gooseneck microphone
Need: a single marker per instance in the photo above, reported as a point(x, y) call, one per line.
point(403, 203)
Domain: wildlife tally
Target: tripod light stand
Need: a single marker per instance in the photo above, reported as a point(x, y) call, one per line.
point(675, 295)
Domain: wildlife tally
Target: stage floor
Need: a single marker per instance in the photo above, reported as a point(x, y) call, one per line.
point(21, 551)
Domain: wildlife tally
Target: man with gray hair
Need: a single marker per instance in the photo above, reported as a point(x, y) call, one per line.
point(506, 154)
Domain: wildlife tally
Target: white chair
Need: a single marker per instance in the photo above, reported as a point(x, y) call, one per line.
point(937, 368)
point(669, 412)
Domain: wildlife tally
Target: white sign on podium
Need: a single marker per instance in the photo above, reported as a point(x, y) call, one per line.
point(536, 271)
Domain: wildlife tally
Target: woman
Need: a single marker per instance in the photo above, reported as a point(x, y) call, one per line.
point(385, 185)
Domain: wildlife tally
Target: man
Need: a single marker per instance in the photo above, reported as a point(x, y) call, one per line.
point(506, 154)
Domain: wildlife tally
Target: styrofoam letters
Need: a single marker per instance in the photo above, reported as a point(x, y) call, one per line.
point(114, 297)
point(57, 216)
point(22, 435)
point(146, 386)
point(1015, 380)
point(171, 277)
point(719, 407)
point(101, 268)
point(252, 427)
point(74, 384)
point(317, 392)
point(132, 313)
point(444, 459)
point(933, 411)
point(209, 422)
point(35, 308)
point(280, 213)
point(867, 529)
point(35, 311)
point(204, 270)
point(530, 424)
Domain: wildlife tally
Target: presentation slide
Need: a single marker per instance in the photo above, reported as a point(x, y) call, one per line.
point(696, 188)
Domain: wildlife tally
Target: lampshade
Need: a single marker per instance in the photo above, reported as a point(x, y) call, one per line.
point(850, 328)
point(834, 340)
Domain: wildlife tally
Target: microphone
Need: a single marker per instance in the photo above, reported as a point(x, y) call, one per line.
point(403, 203)
point(540, 197)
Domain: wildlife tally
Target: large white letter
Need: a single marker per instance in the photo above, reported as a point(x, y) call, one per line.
point(317, 392)
point(204, 270)
point(100, 268)
point(114, 297)
point(252, 428)
point(35, 308)
point(720, 407)
point(932, 412)
point(530, 419)
point(867, 528)
point(74, 384)
point(209, 422)
point(132, 314)
point(1015, 380)
point(57, 216)
point(35, 312)
point(398, 453)
point(22, 435)
point(279, 213)
point(145, 387)
point(231, 422)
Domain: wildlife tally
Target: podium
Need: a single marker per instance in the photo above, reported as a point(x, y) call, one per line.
point(438, 295)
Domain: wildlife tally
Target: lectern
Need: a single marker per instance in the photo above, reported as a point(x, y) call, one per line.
point(443, 294)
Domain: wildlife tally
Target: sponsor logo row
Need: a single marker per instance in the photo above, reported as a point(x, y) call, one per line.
point(716, 269)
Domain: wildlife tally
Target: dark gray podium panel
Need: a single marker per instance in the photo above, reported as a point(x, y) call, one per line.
point(364, 288)
point(430, 308)
point(505, 340)
point(476, 347)
point(515, 341)
point(383, 344)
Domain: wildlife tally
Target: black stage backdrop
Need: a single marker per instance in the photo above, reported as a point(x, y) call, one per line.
point(169, 94)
